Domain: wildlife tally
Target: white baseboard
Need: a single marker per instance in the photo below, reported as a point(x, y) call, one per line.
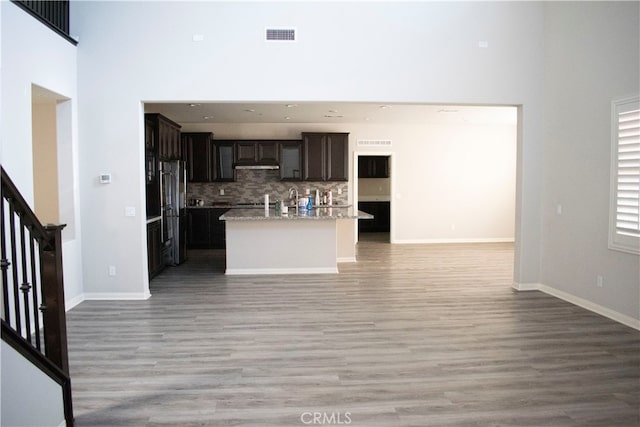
point(347, 259)
point(105, 296)
point(255, 271)
point(68, 305)
point(580, 302)
point(98, 296)
point(526, 286)
point(432, 241)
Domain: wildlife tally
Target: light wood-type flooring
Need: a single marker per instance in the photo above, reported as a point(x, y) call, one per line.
point(410, 335)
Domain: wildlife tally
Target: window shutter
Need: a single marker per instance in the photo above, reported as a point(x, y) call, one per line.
point(625, 230)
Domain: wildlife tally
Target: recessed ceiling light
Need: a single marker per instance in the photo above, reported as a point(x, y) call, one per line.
point(333, 111)
point(287, 118)
point(384, 107)
point(291, 105)
point(249, 110)
point(194, 105)
point(207, 117)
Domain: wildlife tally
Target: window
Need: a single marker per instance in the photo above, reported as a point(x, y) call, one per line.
point(624, 214)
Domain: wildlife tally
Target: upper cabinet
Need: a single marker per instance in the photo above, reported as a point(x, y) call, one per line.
point(326, 156)
point(199, 153)
point(268, 152)
point(166, 136)
point(337, 157)
point(256, 153)
point(314, 156)
point(152, 187)
point(373, 167)
point(224, 161)
point(317, 157)
point(291, 160)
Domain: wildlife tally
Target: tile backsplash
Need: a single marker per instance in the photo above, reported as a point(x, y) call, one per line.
point(251, 186)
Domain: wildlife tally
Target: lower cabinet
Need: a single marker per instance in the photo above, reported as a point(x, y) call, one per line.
point(381, 222)
point(204, 229)
point(154, 248)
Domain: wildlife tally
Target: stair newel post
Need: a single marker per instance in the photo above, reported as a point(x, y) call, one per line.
point(54, 317)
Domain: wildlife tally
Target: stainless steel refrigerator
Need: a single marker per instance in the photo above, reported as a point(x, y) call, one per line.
point(173, 182)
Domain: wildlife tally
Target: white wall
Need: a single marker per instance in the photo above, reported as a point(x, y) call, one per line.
point(428, 52)
point(33, 54)
point(29, 397)
point(592, 56)
point(453, 182)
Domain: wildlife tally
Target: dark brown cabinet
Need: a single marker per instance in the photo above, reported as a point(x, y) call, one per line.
point(267, 152)
point(224, 161)
point(245, 153)
point(166, 135)
point(198, 228)
point(291, 161)
point(205, 230)
point(314, 152)
point(218, 234)
point(326, 156)
point(154, 249)
point(373, 167)
point(199, 152)
point(152, 181)
point(161, 142)
point(256, 153)
point(381, 222)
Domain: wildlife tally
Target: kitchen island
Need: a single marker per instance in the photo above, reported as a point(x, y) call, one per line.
point(260, 241)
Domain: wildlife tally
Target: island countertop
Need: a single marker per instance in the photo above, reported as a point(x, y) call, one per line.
point(321, 213)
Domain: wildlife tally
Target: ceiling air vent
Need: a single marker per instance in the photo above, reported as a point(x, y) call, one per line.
point(281, 34)
point(374, 142)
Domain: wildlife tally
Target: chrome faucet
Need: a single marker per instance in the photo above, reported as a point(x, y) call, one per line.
point(293, 196)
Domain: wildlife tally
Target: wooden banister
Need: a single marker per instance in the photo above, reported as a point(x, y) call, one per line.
point(22, 209)
point(33, 283)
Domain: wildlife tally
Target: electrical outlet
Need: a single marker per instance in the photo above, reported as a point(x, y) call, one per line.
point(129, 211)
point(221, 192)
point(112, 270)
point(599, 281)
point(339, 190)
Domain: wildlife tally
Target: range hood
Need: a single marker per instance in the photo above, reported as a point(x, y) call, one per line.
point(258, 167)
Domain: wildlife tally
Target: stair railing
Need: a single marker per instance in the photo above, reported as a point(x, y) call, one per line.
point(32, 281)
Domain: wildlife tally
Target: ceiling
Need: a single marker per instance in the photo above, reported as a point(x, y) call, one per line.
point(332, 112)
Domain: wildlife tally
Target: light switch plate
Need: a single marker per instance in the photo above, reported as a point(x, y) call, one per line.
point(129, 211)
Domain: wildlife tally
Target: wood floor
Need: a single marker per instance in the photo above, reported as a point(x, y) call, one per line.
point(411, 335)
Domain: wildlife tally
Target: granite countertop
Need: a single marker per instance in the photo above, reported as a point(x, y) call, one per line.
point(323, 213)
point(257, 206)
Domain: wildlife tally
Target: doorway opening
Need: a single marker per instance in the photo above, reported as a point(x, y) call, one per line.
point(52, 156)
point(372, 187)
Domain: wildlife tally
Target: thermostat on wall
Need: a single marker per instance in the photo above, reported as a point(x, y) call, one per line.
point(105, 178)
